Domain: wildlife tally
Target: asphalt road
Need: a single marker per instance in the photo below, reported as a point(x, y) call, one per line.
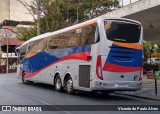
point(13, 92)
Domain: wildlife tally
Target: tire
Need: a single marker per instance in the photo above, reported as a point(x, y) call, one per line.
point(24, 81)
point(69, 86)
point(58, 84)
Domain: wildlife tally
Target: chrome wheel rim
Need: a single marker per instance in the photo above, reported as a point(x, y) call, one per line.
point(69, 85)
point(58, 83)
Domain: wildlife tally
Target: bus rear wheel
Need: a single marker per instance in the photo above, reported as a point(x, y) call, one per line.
point(58, 83)
point(69, 86)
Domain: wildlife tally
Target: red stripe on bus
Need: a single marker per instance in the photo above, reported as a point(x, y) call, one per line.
point(78, 56)
point(117, 68)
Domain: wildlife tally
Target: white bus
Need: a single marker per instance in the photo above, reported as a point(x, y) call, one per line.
point(103, 54)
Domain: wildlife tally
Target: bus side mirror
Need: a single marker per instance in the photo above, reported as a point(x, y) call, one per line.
point(17, 51)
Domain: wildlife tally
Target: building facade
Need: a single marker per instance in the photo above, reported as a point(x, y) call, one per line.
point(14, 10)
point(8, 43)
point(12, 15)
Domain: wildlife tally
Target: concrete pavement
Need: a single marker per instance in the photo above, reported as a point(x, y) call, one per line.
point(147, 91)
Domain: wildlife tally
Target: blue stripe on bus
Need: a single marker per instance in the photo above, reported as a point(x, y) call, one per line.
point(43, 59)
point(125, 56)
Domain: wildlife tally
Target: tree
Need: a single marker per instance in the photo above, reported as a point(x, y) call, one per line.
point(57, 14)
point(27, 33)
point(151, 48)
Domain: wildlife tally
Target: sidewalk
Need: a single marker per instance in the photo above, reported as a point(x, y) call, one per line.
point(147, 91)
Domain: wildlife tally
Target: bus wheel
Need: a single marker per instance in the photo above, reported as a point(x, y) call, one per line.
point(58, 84)
point(69, 86)
point(24, 78)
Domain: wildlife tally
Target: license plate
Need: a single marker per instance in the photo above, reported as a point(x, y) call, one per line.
point(121, 85)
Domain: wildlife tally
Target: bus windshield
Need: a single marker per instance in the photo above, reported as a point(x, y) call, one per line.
point(121, 31)
point(22, 52)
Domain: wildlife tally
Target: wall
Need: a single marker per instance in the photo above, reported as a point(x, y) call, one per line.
point(14, 10)
point(4, 10)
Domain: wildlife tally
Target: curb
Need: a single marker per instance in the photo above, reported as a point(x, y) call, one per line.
point(143, 97)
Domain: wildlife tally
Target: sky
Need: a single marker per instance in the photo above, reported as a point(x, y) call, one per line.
point(126, 2)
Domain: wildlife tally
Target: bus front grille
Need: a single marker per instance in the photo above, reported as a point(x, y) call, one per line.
point(84, 76)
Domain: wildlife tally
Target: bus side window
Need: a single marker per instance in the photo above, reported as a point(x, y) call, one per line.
point(31, 47)
point(88, 34)
point(73, 38)
point(65, 40)
point(42, 45)
point(34, 48)
point(53, 42)
point(38, 45)
point(97, 35)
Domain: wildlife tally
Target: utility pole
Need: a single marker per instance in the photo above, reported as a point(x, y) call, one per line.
point(7, 65)
point(38, 17)
point(122, 3)
point(7, 58)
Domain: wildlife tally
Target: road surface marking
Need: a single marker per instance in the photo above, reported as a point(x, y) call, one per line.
point(32, 97)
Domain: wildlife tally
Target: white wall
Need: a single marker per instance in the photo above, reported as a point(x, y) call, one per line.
point(4, 10)
point(14, 10)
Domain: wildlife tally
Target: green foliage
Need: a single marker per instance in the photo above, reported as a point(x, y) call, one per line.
point(150, 47)
point(27, 33)
point(62, 13)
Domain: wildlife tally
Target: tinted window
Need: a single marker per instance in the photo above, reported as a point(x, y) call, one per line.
point(30, 46)
point(122, 32)
point(22, 51)
point(88, 35)
point(75, 37)
point(38, 45)
point(65, 40)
